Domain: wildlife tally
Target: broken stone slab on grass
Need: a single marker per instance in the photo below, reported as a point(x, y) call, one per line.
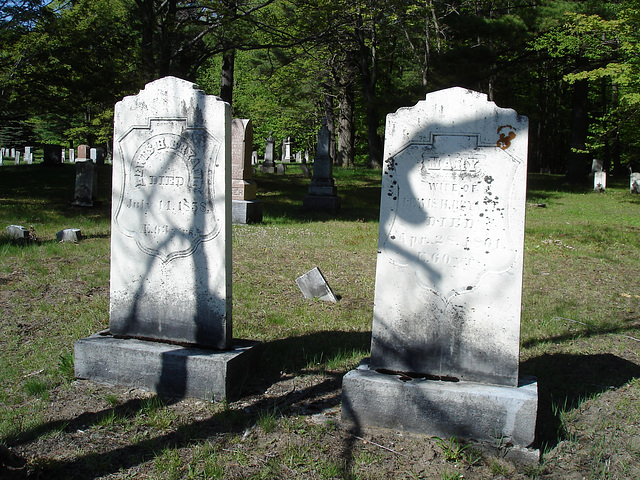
point(314, 285)
point(69, 235)
point(17, 232)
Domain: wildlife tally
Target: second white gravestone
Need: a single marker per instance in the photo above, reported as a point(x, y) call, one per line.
point(446, 318)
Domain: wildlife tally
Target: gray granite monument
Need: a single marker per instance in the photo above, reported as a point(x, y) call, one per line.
point(269, 165)
point(170, 328)
point(446, 320)
point(322, 195)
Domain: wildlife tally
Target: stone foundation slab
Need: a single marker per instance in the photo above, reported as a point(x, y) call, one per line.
point(166, 369)
point(485, 413)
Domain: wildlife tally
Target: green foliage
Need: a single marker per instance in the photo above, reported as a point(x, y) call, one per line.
point(66, 367)
point(37, 387)
point(452, 449)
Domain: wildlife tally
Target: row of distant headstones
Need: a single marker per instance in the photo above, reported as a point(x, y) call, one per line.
point(54, 154)
point(58, 154)
point(600, 178)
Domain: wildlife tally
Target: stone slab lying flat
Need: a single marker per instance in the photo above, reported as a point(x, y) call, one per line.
point(438, 408)
point(164, 368)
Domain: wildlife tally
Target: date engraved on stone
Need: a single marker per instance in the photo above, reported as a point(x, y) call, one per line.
point(450, 214)
point(166, 202)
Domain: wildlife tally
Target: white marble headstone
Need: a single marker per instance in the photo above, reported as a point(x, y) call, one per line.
point(599, 181)
point(449, 269)
point(171, 228)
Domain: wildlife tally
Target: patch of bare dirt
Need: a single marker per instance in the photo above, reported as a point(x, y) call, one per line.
point(96, 431)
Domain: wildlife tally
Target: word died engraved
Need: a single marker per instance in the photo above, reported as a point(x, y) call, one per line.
point(167, 200)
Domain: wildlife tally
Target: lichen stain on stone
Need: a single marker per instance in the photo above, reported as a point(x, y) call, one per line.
point(504, 141)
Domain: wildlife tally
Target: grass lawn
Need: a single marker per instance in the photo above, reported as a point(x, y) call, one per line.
point(580, 337)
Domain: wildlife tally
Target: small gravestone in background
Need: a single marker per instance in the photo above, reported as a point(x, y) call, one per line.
point(52, 154)
point(269, 165)
point(69, 235)
point(287, 144)
point(313, 285)
point(28, 155)
point(1, 156)
point(17, 232)
point(170, 327)
point(86, 186)
point(446, 320)
point(101, 156)
point(634, 182)
point(322, 194)
point(17, 158)
point(599, 181)
point(599, 176)
point(72, 155)
point(254, 157)
point(245, 207)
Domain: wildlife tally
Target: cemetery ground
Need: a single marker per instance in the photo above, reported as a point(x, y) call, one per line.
point(580, 338)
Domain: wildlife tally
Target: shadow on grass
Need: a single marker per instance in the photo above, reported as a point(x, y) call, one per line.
point(566, 380)
point(296, 355)
point(46, 191)
point(283, 195)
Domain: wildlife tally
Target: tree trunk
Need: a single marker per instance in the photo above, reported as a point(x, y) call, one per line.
point(615, 136)
point(346, 128)
point(369, 73)
point(148, 22)
point(578, 159)
point(331, 124)
point(226, 78)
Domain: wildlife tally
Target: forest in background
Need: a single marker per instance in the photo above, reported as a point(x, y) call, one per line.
point(571, 66)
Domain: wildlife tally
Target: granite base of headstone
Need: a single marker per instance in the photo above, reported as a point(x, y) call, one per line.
point(165, 368)
point(482, 412)
point(244, 212)
point(69, 235)
point(313, 284)
point(446, 320)
point(170, 327)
